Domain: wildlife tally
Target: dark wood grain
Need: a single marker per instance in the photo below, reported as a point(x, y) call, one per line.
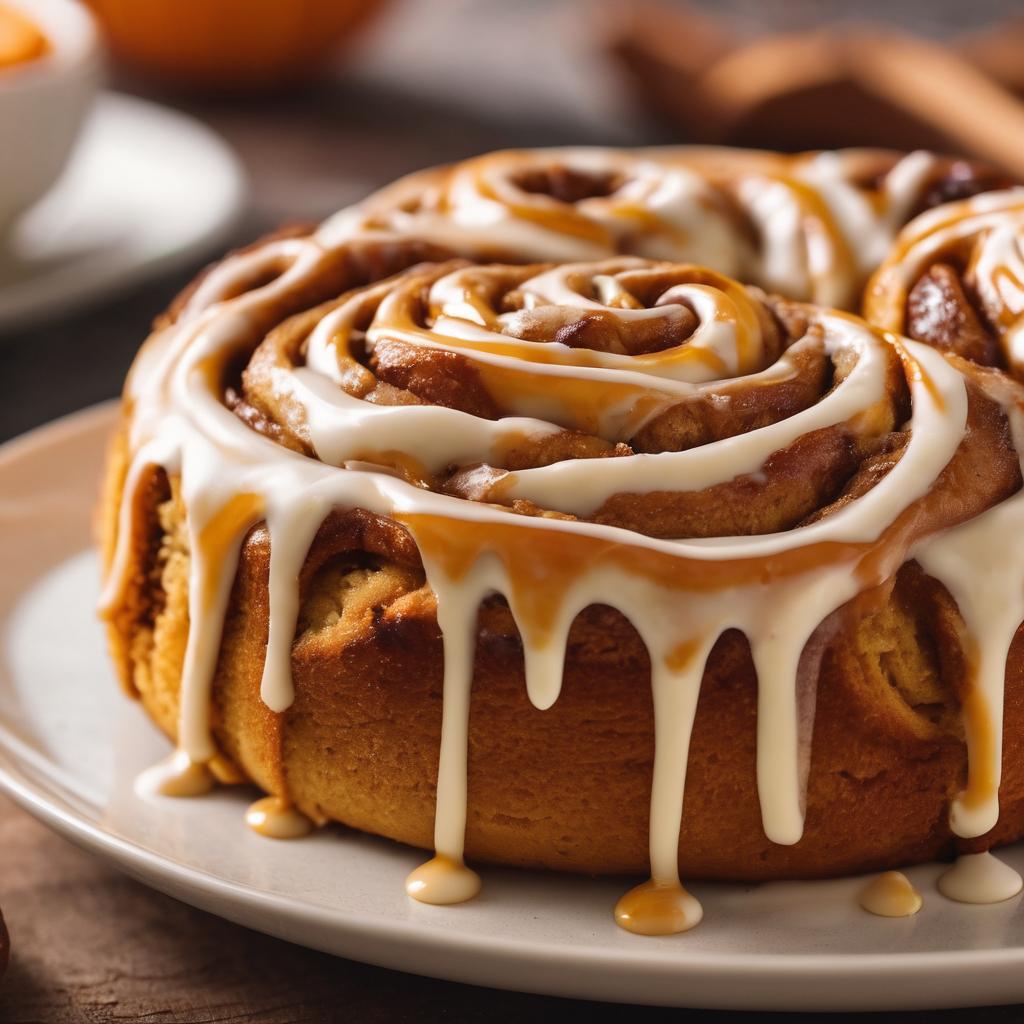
point(91, 945)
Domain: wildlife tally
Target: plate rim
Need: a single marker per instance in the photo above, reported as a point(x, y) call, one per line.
point(202, 888)
point(23, 317)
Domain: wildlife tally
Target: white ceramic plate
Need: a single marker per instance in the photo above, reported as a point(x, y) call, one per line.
point(147, 189)
point(71, 745)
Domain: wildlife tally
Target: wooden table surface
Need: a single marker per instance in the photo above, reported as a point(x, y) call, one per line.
point(89, 944)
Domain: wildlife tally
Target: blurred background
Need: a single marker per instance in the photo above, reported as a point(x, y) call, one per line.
point(308, 105)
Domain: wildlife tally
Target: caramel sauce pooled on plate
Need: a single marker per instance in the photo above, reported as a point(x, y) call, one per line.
point(442, 880)
point(890, 895)
point(177, 775)
point(658, 908)
point(276, 819)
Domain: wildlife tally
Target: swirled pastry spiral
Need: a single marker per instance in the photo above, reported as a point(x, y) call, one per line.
point(811, 226)
point(483, 518)
point(955, 279)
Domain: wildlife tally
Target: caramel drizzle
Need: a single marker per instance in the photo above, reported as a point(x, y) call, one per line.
point(215, 542)
point(891, 895)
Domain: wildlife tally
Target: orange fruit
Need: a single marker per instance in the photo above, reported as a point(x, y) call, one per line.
point(20, 39)
point(229, 44)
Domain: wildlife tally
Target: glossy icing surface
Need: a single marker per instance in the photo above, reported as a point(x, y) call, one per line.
point(980, 878)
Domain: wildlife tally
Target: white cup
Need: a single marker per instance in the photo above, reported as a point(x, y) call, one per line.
point(43, 103)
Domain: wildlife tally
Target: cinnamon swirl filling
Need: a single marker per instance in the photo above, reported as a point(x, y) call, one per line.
point(955, 279)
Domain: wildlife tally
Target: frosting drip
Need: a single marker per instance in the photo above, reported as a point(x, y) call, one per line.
point(980, 878)
point(177, 775)
point(274, 818)
point(579, 360)
point(658, 908)
point(891, 895)
point(443, 880)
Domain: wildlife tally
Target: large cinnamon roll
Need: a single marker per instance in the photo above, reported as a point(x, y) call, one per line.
point(454, 523)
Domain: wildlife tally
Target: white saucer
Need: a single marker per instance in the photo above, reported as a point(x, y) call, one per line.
point(147, 189)
point(71, 745)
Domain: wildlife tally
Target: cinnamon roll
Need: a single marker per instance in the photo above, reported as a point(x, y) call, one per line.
point(484, 523)
point(955, 279)
point(811, 226)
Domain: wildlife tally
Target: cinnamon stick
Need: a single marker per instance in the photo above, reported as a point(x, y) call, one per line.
point(825, 87)
point(944, 90)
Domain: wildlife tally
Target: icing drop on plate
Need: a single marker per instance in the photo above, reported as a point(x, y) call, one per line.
point(980, 878)
point(890, 894)
point(658, 908)
point(442, 880)
point(274, 818)
point(176, 775)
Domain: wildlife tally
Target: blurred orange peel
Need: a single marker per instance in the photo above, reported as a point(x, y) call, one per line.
point(21, 40)
point(229, 45)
